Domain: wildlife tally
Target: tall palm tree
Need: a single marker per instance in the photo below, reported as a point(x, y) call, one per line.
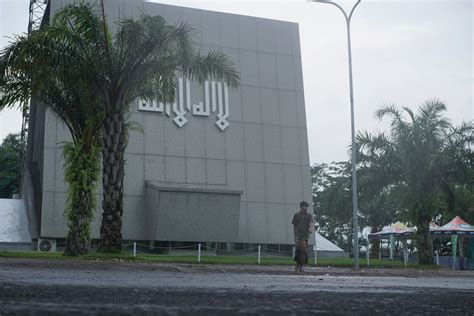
point(411, 160)
point(40, 66)
point(140, 60)
point(458, 184)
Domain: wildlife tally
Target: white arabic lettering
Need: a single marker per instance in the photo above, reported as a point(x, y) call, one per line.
point(216, 99)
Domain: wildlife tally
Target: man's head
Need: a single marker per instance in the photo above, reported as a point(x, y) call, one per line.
point(304, 205)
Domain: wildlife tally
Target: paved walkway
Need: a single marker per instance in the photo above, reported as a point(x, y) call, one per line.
point(98, 287)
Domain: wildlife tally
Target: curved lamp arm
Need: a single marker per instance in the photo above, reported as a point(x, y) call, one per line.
point(348, 17)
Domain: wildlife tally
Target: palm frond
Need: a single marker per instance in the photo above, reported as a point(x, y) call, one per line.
point(214, 65)
point(157, 52)
point(388, 110)
point(410, 113)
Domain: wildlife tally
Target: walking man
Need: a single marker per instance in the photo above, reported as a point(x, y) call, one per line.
point(303, 225)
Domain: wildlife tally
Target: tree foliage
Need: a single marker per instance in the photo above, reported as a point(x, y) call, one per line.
point(10, 164)
point(420, 170)
point(458, 184)
point(332, 200)
point(417, 162)
point(44, 67)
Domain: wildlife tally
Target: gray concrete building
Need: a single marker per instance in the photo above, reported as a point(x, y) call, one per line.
point(219, 165)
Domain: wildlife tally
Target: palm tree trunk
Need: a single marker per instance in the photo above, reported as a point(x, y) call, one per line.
point(424, 241)
point(112, 177)
point(82, 169)
point(374, 251)
point(78, 238)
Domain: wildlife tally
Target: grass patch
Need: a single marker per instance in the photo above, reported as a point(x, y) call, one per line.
point(231, 260)
point(32, 254)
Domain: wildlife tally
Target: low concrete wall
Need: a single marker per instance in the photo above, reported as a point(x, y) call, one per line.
point(16, 246)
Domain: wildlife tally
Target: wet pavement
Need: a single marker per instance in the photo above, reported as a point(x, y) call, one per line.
point(31, 287)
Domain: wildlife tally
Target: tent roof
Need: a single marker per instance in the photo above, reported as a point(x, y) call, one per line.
point(456, 226)
point(397, 228)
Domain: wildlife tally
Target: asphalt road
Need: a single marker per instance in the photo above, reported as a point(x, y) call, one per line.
point(32, 287)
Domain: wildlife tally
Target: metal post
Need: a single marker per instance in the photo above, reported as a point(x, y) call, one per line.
point(315, 256)
point(405, 258)
point(380, 249)
point(405, 252)
point(294, 251)
point(315, 248)
point(454, 242)
point(199, 252)
point(355, 220)
point(134, 249)
point(460, 246)
point(392, 246)
point(258, 258)
point(367, 251)
point(355, 211)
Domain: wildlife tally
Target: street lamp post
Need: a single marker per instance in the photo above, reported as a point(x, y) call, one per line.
point(355, 220)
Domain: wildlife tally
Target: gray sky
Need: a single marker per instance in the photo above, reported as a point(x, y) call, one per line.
point(404, 52)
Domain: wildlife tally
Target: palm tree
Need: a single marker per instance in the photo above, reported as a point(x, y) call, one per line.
point(140, 60)
point(40, 66)
point(458, 184)
point(412, 162)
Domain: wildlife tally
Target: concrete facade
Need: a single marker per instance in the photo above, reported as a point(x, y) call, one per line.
point(256, 170)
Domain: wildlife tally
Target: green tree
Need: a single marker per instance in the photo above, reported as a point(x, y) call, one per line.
point(332, 200)
point(412, 162)
point(10, 165)
point(43, 66)
point(376, 170)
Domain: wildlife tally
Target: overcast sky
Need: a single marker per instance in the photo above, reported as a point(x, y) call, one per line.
point(404, 52)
